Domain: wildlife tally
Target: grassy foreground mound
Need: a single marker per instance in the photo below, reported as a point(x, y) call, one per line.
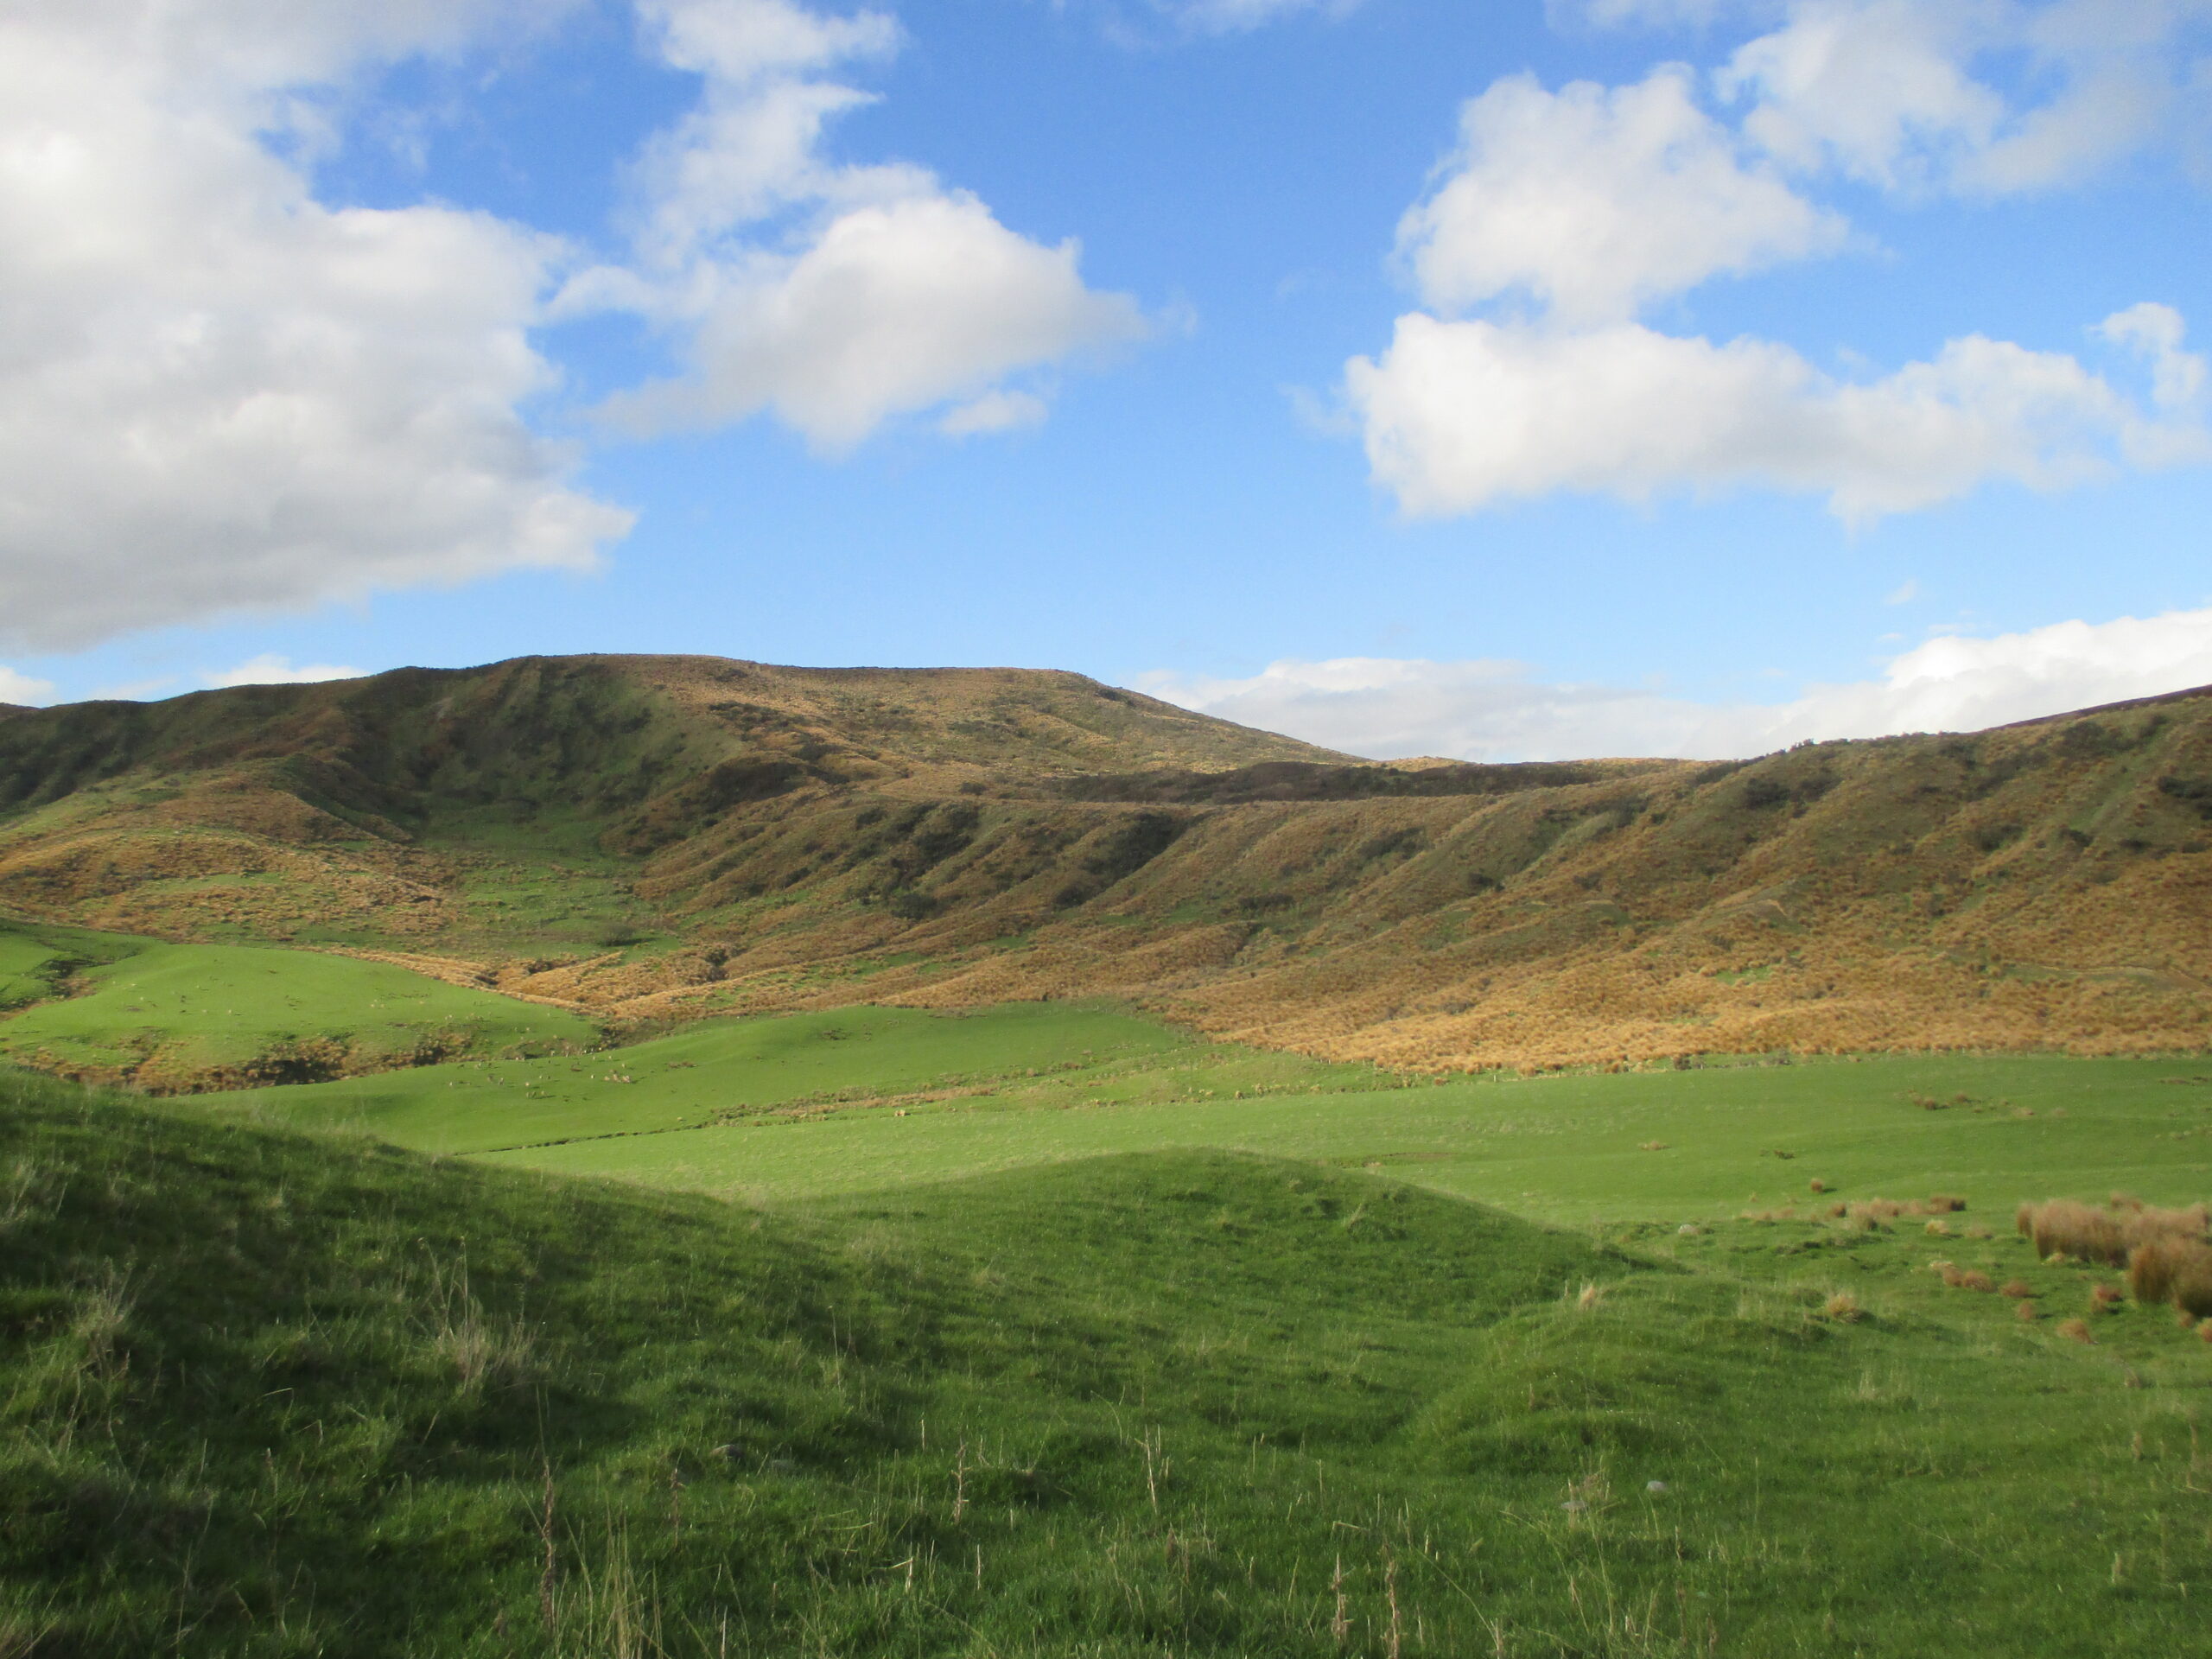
point(183, 1018)
point(269, 1393)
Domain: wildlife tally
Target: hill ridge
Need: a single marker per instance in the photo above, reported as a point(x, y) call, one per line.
point(672, 837)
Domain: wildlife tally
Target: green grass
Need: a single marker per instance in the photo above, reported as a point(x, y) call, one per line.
point(1029, 1057)
point(172, 1015)
point(1564, 1149)
point(36, 958)
point(275, 1394)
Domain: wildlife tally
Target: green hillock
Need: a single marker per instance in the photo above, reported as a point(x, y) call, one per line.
point(184, 1017)
point(269, 1393)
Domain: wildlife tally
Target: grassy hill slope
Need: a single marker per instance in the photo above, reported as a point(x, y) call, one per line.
point(658, 838)
point(182, 1018)
point(274, 1395)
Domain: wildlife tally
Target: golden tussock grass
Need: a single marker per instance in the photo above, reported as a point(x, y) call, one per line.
point(2104, 1298)
point(2016, 1287)
point(2173, 1270)
point(2076, 1331)
point(2025, 1312)
point(1973, 1279)
point(2069, 1227)
point(1845, 1306)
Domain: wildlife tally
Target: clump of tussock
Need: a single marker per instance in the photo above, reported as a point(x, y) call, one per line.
point(1844, 1306)
point(2172, 1269)
point(1816, 1185)
point(1973, 1279)
point(2077, 1330)
point(2025, 1312)
point(1939, 1228)
point(2105, 1298)
point(2067, 1227)
point(2018, 1290)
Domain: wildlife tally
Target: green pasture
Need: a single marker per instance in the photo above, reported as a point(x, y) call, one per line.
point(1563, 1148)
point(1041, 1057)
point(272, 1394)
point(179, 1009)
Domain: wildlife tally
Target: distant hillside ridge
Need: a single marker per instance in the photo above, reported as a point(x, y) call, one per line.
point(667, 838)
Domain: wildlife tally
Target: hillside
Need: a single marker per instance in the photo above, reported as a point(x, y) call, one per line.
point(272, 1394)
point(647, 839)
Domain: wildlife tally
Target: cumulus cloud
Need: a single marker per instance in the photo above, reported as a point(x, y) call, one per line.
point(1981, 97)
point(1564, 214)
point(1496, 711)
point(18, 688)
point(1463, 415)
point(269, 670)
point(217, 394)
point(833, 297)
point(1594, 200)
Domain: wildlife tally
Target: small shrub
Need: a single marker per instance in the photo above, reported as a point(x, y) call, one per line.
point(2104, 1298)
point(2076, 1331)
point(1974, 1280)
point(2204, 1331)
point(1816, 1185)
point(2025, 1312)
point(2015, 1289)
point(1845, 1306)
point(1939, 1228)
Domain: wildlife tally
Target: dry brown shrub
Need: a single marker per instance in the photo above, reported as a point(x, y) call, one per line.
point(2177, 1270)
point(1950, 1275)
point(2204, 1331)
point(2015, 1288)
point(2076, 1331)
point(1845, 1306)
point(2067, 1227)
point(1974, 1279)
point(1816, 1185)
point(1837, 1211)
point(2146, 1225)
point(2025, 1312)
point(2102, 1298)
point(1938, 1229)
point(1943, 1202)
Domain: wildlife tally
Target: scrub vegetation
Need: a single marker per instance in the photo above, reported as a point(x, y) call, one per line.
point(659, 838)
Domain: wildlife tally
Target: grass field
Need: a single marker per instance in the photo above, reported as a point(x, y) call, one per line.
point(171, 1017)
point(870, 1099)
point(271, 1394)
point(1048, 1330)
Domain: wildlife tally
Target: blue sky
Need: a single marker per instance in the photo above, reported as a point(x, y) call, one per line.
point(1502, 380)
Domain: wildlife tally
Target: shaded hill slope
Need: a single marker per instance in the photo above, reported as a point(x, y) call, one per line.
point(654, 838)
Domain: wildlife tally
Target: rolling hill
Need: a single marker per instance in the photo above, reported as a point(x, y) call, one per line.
point(651, 839)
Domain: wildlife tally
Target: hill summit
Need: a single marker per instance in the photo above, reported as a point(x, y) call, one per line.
point(664, 838)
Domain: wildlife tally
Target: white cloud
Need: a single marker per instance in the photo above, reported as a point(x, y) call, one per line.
point(1464, 416)
point(18, 688)
point(835, 297)
point(896, 307)
point(1594, 202)
point(1493, 710)
point(1889, 91)
point(995, 411)
point(269, 670)
point(1226, 17)
point(217, 394)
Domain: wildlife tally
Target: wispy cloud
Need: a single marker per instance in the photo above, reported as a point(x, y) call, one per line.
point(1498, 710)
